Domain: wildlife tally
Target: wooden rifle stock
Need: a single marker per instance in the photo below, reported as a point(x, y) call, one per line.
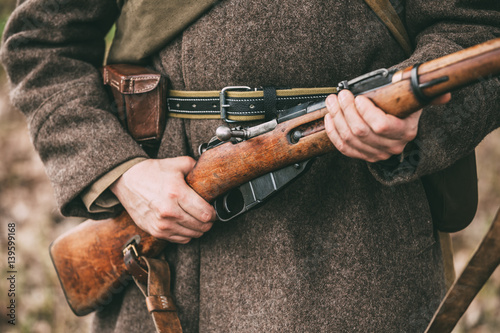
point(89, 259)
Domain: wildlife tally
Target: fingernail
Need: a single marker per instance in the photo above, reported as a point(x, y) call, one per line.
point(357, 102)
point(329, 100)
point(206, 217)
point(341, 96)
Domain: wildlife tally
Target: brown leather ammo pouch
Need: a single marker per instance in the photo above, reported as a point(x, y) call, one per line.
point(139, 94)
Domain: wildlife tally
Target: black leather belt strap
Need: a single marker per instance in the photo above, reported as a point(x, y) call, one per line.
point(240, 105)
point(270, 101)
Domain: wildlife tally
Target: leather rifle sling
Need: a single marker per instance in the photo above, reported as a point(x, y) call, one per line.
point(387, 14)
point(154, 282)
point(482, 264)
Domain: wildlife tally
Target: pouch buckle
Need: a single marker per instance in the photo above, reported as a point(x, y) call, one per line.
point(223, 103)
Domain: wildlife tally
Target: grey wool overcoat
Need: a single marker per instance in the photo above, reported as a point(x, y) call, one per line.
point(350, 247)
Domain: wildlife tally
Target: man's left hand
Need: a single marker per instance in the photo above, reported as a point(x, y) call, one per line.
point(359, 129)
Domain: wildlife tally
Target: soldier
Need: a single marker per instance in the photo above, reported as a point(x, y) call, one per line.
point(349, 247)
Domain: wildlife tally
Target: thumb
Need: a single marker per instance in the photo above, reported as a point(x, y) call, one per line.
point(184, 164)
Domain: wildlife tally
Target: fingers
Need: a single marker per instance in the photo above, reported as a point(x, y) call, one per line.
point(182, 214)
point(193, 205)
point(359, 129)
point(386, 125)
point(347, 144)
point(186, 198)
point(160, 202)
point(184, 164)
point(168, 220)
point(175, 225)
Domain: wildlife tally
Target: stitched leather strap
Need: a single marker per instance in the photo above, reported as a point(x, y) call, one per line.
point(387, 14)
point(152, 276)
point(158, 299)
point(243, 105)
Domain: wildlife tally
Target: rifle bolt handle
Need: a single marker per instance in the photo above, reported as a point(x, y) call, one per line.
point(296, 136)
point(223, 133)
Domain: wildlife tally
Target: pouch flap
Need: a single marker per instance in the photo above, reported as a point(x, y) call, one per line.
point(130, 79)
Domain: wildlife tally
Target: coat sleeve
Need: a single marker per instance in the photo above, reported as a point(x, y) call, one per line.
point(449, 132)
point(51, 52)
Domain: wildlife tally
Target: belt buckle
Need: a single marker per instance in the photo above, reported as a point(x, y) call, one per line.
point(222, 100)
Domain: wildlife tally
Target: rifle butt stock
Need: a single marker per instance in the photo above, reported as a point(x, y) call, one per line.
point(89, 261)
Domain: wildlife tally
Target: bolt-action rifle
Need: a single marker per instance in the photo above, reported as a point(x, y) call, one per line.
point(243, 166)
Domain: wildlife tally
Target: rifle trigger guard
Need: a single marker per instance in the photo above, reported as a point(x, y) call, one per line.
point(249, 195)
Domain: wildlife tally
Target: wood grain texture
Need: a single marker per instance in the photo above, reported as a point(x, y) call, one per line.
point(220, 169)
point(465, 67)
point(89, 260)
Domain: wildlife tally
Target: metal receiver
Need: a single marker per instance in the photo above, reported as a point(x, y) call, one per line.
point(368, 81)
point(253, 193)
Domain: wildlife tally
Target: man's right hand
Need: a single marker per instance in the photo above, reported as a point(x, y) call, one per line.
point(156, 196)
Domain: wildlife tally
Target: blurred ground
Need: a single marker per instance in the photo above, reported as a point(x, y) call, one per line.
point(26, 199)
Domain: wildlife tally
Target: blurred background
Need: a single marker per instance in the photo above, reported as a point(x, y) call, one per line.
point(26, 199)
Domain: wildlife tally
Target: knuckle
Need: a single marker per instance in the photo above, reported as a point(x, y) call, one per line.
point(345, 137)
point(197, 234)
point(206, 227)
point(370, 158)
point(410, 135)
point(384, 156)
point(183, 240)
point(329, 130)
point(165, 227)
point(207, 218)
point(380, 127)
point(156, 233)
point(378, 157)
point(360, 131)
point(172, 196)
point(339, 144)
point(333, 110)
point(396, 150)
point(166, 213)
